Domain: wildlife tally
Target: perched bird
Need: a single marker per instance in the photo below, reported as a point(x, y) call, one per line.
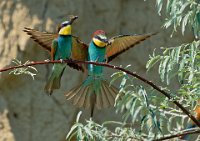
point(192, 124)
point(61, 45)
point(95, 91)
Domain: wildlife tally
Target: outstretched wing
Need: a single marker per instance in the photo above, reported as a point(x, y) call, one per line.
point(44, 39)
point(79, 52)
point(121, 43)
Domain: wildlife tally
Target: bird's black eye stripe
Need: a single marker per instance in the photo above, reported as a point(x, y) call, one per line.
point(103, 40)
point(65, 24)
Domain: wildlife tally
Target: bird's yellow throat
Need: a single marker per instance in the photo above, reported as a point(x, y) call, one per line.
point(66, 30)
point(99, 43)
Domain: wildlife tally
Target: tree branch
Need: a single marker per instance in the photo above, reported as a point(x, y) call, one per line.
point(179, 134)
point(116, 68)
point(186, 132)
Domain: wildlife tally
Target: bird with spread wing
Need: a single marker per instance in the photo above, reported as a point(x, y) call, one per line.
point(61, 45)
point(94, 91)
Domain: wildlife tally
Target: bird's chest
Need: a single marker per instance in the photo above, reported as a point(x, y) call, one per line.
point(64, 47)
point(96, 53)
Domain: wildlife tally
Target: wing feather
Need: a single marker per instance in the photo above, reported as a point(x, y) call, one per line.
point(121, 43)
point(79, 52)
point(44, 39)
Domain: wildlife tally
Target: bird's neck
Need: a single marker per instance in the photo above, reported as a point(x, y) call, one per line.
point(98, 43)
point(63, 36)
point(67, 30)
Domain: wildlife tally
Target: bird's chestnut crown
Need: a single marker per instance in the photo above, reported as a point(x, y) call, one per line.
point(98, 32)
point(99, 38)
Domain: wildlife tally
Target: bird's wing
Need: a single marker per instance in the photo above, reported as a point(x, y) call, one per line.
point(79, 49)
point(121, 43)
point(44, 39)
point(79, 52)
point(54, 47)
point(49, 42)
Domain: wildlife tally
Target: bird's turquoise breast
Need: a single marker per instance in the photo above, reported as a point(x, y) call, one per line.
point(96, 54)
point(64, 47)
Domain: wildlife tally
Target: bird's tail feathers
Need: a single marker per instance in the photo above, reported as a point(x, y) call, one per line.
point(54, 80)
point(93, 93)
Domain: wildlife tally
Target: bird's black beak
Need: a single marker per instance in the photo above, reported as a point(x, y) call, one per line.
point(73, 18)
point(105, 40)
point(109, 42)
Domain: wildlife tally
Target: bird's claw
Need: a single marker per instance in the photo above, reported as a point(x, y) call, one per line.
point(47, 60)
point(97, 59)
point(106, 59)
point(61, 61)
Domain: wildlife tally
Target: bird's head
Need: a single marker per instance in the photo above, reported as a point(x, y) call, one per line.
point(66, 28)
point(99, 38)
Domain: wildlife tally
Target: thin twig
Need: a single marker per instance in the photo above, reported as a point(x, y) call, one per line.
point(124, 137)
point(189, 131)
point(116, 68)
point(163, 112)
point(180, 134)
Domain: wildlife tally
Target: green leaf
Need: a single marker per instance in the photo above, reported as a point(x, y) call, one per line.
point(69, 135)
point(80, 134)
point(185, 21)
point(136, 113)
point(116, 76)
point(159, 4)
point(88, 132)
point(152, 62)
point(177, 54)
point(169, 6)
point(123, 82)
point(162, 67)
point(78, 116)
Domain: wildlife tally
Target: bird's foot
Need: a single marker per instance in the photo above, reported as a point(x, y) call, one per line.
point(97, 59)
point(106, 59)
point(47, 60)
point(61, 61)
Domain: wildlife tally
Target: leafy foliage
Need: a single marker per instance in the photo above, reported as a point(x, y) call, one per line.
point(182, 61)
point(140, 107)
point(93, 131)
point(133, 101)
point(181, 13)
point(25, 70)
point(90, 132)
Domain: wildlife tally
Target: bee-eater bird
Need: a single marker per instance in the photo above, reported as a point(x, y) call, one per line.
point(95, 91)
point(100, 50)
point(61, 46)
